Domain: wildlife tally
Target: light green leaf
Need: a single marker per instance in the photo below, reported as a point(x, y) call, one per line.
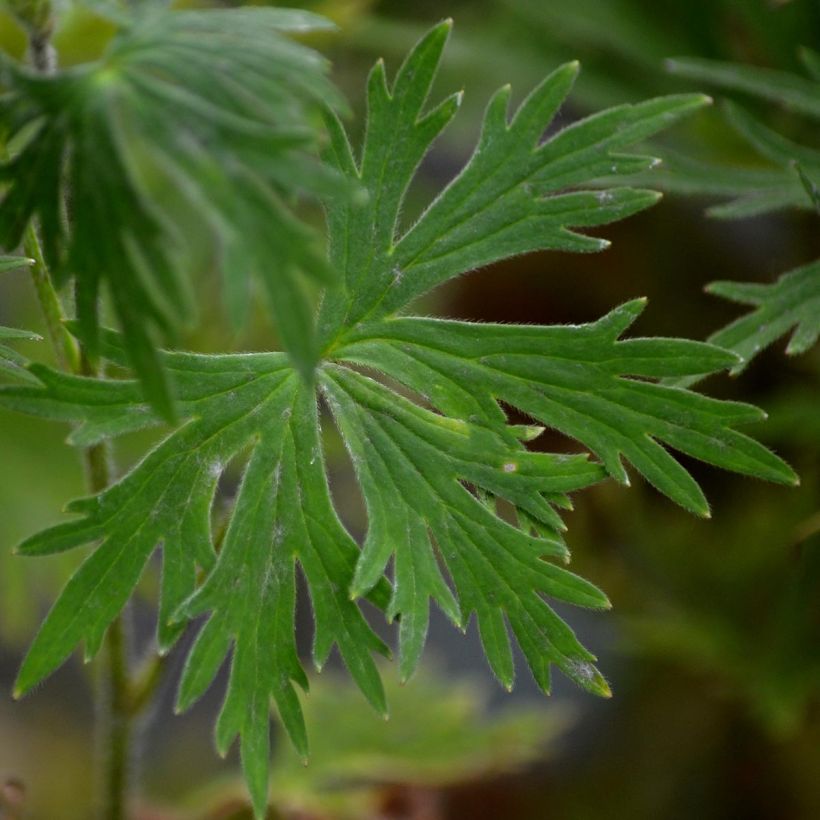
point(11, 362)
point(12, 262)
point(441, 732)
point(151, 145)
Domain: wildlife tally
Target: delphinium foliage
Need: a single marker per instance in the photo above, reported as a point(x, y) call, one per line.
point(791, 305)
point(461, 512)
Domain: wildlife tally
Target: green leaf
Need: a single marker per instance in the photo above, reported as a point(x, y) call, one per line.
point(232, 405)
point(12, 262)
point(781, 87)
point(151, 145)
point(754, 190)
point(810, 185)
point(413, 466)
point(581, 381)
point(11, 362)
point(441, 732)
point(453, 495)
point(789, 305)
point(515, 195)
point(769, 143)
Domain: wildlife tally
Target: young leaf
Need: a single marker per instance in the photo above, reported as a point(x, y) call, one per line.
point(198, 112)
point(469, 514)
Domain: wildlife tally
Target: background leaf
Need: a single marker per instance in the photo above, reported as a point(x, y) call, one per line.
point(192, 132)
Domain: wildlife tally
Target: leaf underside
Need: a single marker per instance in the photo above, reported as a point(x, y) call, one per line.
point(460, 511)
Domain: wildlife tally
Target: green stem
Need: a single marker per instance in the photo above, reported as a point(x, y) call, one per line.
point(119, 718)
point(61, 340)
point(115, 698)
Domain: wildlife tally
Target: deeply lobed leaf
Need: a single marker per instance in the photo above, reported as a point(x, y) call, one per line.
point(792, 303)
point(467, 513)
point(516, 194)
point(573, 378)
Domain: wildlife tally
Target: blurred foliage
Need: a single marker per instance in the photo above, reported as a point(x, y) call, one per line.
point(438, 735)
point(131, 165)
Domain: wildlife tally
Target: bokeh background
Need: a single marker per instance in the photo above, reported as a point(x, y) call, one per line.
point(713, 646)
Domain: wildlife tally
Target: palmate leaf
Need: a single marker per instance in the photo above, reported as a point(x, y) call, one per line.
point(204, 113)
point(452, 492)
point(256, 404)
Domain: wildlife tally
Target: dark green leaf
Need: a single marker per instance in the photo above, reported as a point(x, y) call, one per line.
point(453, 495)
